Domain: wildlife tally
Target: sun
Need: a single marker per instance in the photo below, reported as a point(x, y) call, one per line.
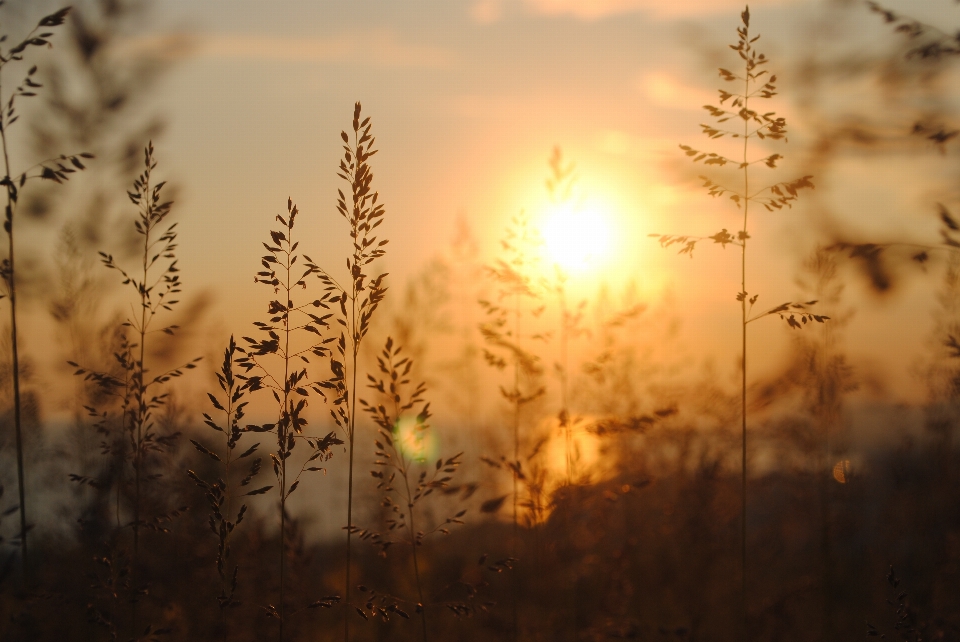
point(577, 237)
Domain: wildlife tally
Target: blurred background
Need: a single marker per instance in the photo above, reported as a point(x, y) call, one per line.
point(628, 458)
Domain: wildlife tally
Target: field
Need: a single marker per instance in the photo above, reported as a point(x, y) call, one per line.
point(685, 373)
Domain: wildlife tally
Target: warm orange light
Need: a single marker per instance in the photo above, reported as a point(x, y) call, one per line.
point(584, 453)
point(577, 238)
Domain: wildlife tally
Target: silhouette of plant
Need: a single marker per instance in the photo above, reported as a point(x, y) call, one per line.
point(358, 300)
point(904, 619)
point(137, 388)
point(293, 336)
point(97, 96)
point(57, 170)
point(505, 333)
point(560, 189)
point(401, 447)
point(757, 85)
point(219, 493)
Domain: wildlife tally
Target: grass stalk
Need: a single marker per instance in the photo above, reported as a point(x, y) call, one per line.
point(220, 494)
point(297, 341)
point(773, 197)
point(50, 170)
point(155, 294)
point(136, 387)
point(400, 445)
point(744, 236)
point(15, 365)
point(363, 215)
point(152, 214)
point(504, 332)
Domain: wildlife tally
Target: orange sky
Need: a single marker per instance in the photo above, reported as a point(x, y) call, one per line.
point(467, 101)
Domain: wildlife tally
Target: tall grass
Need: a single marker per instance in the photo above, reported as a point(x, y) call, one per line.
point(291, 336)
point(401, 447)
point(156, 283)
point(508, 339)
point(560, 186)
point(157, 286)
point(57, 170)
point(756, 85)
point(220, 494)
point(358, 300)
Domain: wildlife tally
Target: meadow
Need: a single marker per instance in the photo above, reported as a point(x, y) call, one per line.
point(485, 449)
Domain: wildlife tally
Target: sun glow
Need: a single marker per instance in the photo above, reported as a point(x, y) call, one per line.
point(583, 449)
point(577, 238)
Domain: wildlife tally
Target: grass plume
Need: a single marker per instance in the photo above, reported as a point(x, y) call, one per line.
point(506, 338)
point(401, 447)
point(156, 283)
point(358, 301)
point(278, 362)
point(756, 85)
point(221, 496)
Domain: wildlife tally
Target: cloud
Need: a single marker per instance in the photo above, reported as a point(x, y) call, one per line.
point(648, 150)
point(596, 9)
point(486, 11)
point(165, 46)
point(380, 48)
point(617, 142)
point(665, 90)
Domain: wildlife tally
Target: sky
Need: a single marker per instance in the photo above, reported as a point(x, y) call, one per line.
point(468, 99)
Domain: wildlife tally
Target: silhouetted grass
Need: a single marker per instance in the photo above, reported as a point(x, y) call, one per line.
point(401, 447)
point(774, 197)
point(219, 493)
point(358, 301)
point(638, 541)
point(509, 341)
point(292, 335)
point(57, 170)
point(137, 388)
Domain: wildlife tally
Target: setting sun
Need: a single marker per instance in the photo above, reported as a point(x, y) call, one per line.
point(576, 237)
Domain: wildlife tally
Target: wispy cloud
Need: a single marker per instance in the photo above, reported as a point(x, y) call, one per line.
point(596, 9)
point(665, 90)
point(486, 11)
point(383, 48)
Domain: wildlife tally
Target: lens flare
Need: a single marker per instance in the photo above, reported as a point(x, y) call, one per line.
point(576, 238)
point(414, 440)
point(841, 471)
